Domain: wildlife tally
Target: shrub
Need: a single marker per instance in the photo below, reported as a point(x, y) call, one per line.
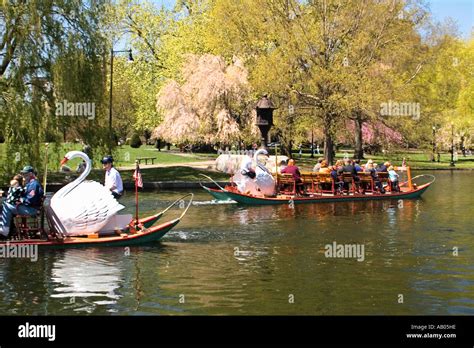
point(135, 141)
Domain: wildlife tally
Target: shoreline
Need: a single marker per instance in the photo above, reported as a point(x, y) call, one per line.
point(182, 185)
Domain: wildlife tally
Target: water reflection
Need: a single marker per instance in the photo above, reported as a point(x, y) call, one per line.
point(230, 259)
point(85, 274)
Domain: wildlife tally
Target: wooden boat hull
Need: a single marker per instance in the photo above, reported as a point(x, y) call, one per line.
point(145, 236)
point(257, 200)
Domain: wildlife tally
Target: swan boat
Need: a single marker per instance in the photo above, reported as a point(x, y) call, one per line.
point(408, 190)
point(84, 213)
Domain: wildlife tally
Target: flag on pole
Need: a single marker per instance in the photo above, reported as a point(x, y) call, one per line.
point(137, 176)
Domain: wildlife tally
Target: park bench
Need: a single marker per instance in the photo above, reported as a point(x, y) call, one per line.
point(146, 159)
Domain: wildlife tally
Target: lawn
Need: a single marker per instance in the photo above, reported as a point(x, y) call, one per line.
point(174, 173)
point(125, 155)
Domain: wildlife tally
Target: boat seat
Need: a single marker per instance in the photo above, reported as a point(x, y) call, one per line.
point(309, 182)
point(367, 182)
point(383, 177)
point(325, 180)
point(286, 184)
point(348, 179)
point(30, 226)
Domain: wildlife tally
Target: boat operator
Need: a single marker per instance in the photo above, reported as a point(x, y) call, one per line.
point(113, 180)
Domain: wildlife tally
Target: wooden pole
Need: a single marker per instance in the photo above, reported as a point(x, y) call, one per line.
point(46, 145)
point(136, 195)
point(410, 184)
point(276, 158)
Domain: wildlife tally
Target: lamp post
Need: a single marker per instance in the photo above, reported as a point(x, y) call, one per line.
point(452, 145)
point(130, 59)
point(264, 110)
point(434, 144)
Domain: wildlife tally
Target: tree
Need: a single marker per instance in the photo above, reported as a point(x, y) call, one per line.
point(41, 41)
point(321, 51)
point(210, 106)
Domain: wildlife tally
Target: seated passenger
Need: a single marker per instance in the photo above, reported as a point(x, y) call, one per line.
point(324, 168)
point(29, 203)
point(16, 190)
point(383, 167)
point(338, 183)
point(393, 176)
point(317, 167)
point(350, 168)
point(282, 166)
point(357, 166)
point(370, 168)
point(293, 170)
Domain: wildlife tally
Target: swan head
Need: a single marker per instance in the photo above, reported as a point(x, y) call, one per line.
point(260, 152)
point(74, 154)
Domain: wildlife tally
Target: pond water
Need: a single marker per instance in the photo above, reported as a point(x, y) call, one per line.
point(230, 259)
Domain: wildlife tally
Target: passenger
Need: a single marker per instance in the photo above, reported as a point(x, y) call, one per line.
point(338, 183)
point(324, 168)
point(370, 168)
point(293, 170)
point(317, 167)
point(283, 165)
point(350, 168)
point(383, 167)
point(393, 176)
point(29, 203)
point(16, 190)
point(246, 166)
point(369, 162)
point(339, 166)
point(357, 166)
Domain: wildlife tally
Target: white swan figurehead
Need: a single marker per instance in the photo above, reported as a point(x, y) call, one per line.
point(82, 207)
point(264, 178)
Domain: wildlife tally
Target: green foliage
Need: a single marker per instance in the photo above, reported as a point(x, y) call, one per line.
point(135, 141)
point(50, 50)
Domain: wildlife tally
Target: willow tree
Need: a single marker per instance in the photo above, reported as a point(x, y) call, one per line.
point(320, 51)
point(209, 106)
point(35, 35)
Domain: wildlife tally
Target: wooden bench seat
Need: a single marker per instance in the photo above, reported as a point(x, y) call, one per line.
point(146, 159)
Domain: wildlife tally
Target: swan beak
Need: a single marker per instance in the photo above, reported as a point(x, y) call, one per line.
point(64, 161)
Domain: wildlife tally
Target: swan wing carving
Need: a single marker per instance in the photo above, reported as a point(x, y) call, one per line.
point(87, 208)
point(83, 207)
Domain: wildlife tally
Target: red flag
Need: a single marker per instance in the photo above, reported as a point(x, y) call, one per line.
point(137, 176)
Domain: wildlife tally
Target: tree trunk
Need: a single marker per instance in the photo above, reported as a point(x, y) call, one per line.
point(358, 150)
point(286, 148)
point(328, 146)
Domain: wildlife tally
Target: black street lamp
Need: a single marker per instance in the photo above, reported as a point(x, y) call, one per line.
point(434, 144)
point(264, 110)
point(130, 59)
point(452, 145)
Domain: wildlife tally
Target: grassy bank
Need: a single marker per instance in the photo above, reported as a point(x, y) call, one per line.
point(174, 173)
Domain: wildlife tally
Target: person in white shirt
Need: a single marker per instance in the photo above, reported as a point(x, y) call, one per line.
point(113, 180)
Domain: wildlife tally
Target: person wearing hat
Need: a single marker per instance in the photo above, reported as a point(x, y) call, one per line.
point(28, 204)
point(113, 180)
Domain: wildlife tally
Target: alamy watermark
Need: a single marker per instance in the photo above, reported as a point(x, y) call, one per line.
point(235, 152)
point(393, 108)
point(345, 251)
point(19, 251)
point(66, 108)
